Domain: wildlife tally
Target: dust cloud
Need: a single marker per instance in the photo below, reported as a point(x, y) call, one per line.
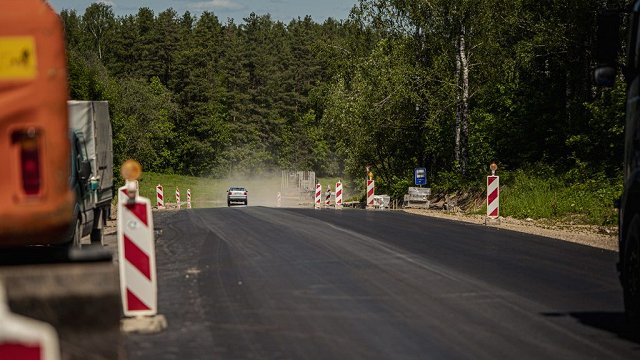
point(262, 190)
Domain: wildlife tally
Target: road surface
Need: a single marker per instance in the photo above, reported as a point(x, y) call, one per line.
point(263, 283)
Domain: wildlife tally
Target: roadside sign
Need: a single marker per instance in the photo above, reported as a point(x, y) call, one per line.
point(420, 176)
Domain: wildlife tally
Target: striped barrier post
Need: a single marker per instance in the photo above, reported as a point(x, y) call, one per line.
point(338, 195)
point(327, 199)
point(160, 196)
point(188, 198)
point(22, 338)
point(178, 197)
point(493, 197)
point(137, 258)
point(371, 185)
point(279, 200)
point(123, 193)
point(318, 196)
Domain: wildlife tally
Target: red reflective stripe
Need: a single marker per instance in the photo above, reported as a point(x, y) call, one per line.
point(140, 211)
point(134, 303)
point(20, 351)
point(493, 196)
point(371, 192)
point(160, 196)
point(491, 179)
point(494, 213)
point(137, 257)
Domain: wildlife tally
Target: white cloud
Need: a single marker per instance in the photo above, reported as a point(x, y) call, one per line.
point(216, 4)
point(108, 2)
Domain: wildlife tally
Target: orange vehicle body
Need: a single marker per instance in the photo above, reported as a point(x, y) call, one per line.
point(36, 202)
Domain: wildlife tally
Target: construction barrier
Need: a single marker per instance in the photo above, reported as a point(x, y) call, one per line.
point(327, 199)
point(338, 195)
point(493, 197)
point(123, 193)
point(188, 198)
point(22, 338)
point(371, 185)
point(178, 197)
point(279, 200)
point(318, 196)
point(159, 196)
point(137, 257)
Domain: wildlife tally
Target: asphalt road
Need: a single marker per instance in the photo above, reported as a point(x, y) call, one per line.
point(261, 283)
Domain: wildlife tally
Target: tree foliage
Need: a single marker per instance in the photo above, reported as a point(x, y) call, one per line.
point(448, 84)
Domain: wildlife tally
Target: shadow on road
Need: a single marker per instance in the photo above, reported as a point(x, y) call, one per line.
point(613, 322)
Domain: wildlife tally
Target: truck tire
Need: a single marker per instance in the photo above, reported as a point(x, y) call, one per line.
point(630, 274)
point(97, 236)
point(77, 234)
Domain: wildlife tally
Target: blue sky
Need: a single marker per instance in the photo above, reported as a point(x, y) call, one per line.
point(283, 10)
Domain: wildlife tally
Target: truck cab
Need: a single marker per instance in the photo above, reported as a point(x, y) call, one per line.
point(629, 203)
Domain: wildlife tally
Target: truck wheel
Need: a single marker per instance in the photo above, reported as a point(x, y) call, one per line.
point(631, 272)
point(97, 236)
point(77, 234)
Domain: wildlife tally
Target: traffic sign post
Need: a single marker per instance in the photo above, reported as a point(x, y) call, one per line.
point(420, 176)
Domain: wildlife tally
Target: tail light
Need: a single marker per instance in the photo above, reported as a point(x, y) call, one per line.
point(245, 193)
point(229, 193)
point(29, 149)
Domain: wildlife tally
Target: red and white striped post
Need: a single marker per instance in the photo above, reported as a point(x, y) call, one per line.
point(137, 257)
point(338, 195)
point(279, 200)
point(160, 196)
point(178, 197)
point(493, 194)
point(24, 338)
point(327, 199)
point(318, 196)
point(123, 192)
point(371, 185)
point(188, 198)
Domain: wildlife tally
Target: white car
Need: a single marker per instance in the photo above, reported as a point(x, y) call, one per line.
point(237, 195)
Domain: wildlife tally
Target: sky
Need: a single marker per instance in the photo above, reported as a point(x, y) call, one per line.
point(283, 10)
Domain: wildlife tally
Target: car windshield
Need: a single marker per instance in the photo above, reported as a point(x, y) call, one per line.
point(237, 189)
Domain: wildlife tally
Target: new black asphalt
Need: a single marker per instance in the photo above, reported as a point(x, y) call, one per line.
point(262, 283)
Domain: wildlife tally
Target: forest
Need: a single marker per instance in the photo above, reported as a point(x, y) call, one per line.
point(451, 85)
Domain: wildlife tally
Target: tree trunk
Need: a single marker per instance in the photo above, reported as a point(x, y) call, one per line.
point(464, 119)
point(462, 108)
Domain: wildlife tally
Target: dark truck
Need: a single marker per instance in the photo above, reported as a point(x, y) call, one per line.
point(629, 204)
point(91, 168)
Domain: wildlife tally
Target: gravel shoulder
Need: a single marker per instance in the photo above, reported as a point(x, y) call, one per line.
point(603, 237)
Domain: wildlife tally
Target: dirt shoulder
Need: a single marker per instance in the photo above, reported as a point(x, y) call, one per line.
point(603, 237)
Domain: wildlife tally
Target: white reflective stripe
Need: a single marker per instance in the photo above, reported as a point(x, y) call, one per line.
point(140, 234)
point(139, 285)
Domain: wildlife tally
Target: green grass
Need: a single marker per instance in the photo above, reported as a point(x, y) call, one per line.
point(207, 192)
point(538, 197)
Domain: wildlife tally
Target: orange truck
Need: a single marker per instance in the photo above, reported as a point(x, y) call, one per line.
point(36, 201)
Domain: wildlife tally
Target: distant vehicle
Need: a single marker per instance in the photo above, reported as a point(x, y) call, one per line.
point(92, 167)
point(36, 202)
point(237, 195)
